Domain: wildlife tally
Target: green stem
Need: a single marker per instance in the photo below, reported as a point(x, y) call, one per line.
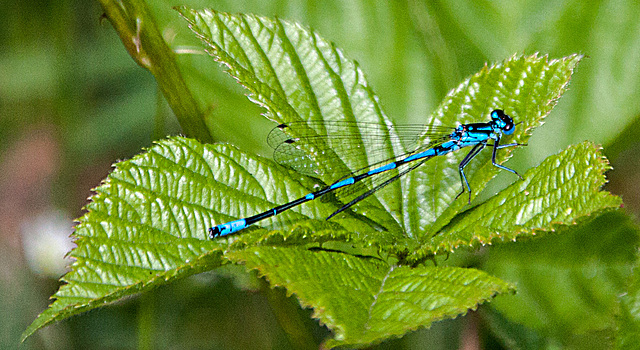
point(144, 42)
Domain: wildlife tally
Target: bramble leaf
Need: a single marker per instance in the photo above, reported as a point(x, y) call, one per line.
point(365, 301)
point(562, 190)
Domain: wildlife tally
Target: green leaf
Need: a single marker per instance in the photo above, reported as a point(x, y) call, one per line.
point(147, 223)
point(560, 191)
point(365, 301)
point(527, 88)
point(301, 78)
point(569, 283)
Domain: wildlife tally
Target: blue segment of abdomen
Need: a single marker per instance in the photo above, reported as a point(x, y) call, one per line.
point(428, 153)
point(444, 148)
point(342, 183)
point(382, 168)
point(447, 147)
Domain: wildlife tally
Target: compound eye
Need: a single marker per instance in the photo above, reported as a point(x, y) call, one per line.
point(509, 128)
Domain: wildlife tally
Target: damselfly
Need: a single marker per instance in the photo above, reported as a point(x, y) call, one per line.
point(475, 134)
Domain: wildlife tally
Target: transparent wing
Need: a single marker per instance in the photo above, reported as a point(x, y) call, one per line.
point(348, 193)
point(302, 146)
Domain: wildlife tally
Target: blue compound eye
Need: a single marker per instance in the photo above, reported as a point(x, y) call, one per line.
point(509, 128)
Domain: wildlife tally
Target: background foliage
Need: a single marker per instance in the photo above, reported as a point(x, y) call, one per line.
point(73, 101)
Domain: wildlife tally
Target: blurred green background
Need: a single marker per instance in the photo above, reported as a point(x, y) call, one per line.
point(72, 102)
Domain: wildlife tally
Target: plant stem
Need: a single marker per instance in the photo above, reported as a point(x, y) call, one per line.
point(144, 42)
